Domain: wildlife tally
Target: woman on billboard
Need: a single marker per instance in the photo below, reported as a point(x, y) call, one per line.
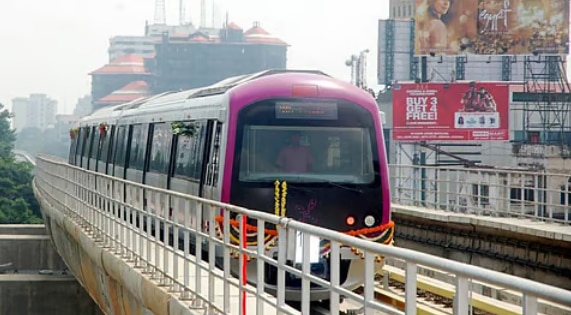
point(431, 17)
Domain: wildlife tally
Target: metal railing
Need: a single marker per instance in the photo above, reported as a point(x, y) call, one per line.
point(25, 156)
point(495, 192)
point(100, 203)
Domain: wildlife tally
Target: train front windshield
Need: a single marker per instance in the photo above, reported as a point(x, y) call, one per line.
point(306, 154)
point(325, 151)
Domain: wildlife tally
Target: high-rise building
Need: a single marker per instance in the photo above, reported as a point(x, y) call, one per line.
point(400, 9)
point(37, 111)
point(83, 106)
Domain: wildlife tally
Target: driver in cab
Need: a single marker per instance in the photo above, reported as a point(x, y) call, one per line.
point(294, 158)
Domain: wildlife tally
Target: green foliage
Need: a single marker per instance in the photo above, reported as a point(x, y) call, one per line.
point(17, 201)
point(7, 135)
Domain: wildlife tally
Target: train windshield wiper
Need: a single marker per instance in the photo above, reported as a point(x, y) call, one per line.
point(339, 185)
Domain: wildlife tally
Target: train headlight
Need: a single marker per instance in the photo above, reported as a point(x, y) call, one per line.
point(369, 221)
point(350, 220)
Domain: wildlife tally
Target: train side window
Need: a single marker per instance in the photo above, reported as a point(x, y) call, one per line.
point(87, 145)
point(121, 147)
point(72, 147)
point(160, 148)
point(105, 144)
point(96, 144)
point(138, 147)
point(80, 139)
point(190, 152)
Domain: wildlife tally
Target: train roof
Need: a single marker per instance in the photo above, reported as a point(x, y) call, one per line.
point(170, 100)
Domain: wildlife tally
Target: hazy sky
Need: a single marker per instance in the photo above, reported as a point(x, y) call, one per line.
point(49, 46)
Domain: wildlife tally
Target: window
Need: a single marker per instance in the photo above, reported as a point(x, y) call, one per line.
point(95, 145)
point(80, 140)
point(103, 157)
point(481, 194)
point(160, 148)
point(516, 194)
point(215, 160)
point(306, 154)
point(87, 145)
point(72, 151)
point(121, 148)
point(138, 147)
point(190, 153)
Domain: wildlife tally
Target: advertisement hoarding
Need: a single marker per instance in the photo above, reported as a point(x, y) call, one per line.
point(491, 27)
point(450, 112)
point(396, 46)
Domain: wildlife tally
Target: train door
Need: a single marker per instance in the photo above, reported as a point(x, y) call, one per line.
point(209, 183)
point(159, 156)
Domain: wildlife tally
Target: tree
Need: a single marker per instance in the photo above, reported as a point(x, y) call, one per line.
point(17, 201)
point(7, 135)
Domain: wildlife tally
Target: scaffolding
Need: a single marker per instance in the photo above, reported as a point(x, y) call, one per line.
point(546, 102)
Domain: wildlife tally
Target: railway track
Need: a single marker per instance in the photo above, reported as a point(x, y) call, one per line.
point(435, 297)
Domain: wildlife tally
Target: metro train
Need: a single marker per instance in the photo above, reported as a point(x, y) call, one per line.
point(294, 143)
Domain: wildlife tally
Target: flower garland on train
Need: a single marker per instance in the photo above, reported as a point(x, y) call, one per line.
point(103, 127)
point(383, 233)
point(73, 133)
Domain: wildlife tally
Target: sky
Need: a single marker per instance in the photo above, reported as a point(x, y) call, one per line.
point(50, 46)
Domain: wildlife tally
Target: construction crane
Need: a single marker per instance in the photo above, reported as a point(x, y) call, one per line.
point(358, 64)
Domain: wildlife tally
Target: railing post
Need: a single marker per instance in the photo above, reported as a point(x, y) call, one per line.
point(410, 288)
point(461, 298)
point(529, 304)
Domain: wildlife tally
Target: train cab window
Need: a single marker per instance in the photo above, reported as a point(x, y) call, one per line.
point(190, 153)
point(160, 148)
point(138, 146)
point(121, 147)
point(338, 154)
point(306, 141)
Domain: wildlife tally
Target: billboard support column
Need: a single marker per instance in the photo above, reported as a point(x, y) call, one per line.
point(423, 69)
point(423, 177)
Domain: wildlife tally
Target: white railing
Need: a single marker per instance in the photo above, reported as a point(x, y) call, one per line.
point(91, 200)
point(495, 192)
point(25, 156)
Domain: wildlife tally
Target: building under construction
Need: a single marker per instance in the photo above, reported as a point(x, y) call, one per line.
point(189, 61)
point(179, 57)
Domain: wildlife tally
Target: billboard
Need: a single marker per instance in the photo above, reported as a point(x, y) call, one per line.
point(395, 49)
point(450, 112)
point(491, 27)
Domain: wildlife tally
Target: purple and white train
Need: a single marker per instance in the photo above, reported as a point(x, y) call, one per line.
point(247, 138)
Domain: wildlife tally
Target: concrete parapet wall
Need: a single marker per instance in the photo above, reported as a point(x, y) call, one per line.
point(29, 252)
point(114, 284)
point(22, 229)
point(43, 294)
